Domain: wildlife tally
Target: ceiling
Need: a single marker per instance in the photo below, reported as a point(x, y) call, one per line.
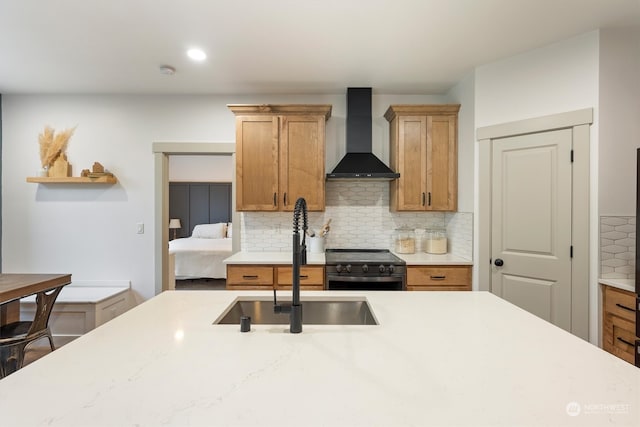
point(278, 46)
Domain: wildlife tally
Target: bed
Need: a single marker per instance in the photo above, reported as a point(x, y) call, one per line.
point(201, 255)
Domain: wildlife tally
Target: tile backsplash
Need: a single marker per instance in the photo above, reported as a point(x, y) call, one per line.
point(617, 247)
point(360, 218)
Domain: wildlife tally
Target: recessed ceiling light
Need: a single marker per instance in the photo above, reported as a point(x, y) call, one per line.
point(196, 54)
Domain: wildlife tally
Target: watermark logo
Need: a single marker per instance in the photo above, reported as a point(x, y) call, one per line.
point(573, 409)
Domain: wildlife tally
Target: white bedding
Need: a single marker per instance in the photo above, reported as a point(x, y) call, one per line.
point(195, 257)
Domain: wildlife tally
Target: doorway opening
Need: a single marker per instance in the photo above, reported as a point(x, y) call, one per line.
point(162, 151)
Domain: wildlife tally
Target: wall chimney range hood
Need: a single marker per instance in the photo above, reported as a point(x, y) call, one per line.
point(360, 162)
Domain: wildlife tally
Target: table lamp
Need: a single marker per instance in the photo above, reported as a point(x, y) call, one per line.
point(174, 224)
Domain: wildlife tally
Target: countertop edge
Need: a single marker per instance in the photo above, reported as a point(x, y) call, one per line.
point(245, 257)
point(624, 284)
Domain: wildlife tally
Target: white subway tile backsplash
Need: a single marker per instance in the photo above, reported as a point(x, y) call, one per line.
point(617, 247)
point(614, 220)
point(360, 218)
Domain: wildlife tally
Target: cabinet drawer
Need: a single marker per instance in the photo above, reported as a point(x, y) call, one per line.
point(249, 275)
point(619, 337)
point(308, 275)
point(620, 303)
point(439, 278)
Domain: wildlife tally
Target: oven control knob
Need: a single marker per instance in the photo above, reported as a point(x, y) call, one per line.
point(365, 268)
point(348, 267)
point(339, 268)
point(391, 268)
point(381, 268)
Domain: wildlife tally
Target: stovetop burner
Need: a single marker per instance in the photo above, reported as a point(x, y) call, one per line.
point(361, 256)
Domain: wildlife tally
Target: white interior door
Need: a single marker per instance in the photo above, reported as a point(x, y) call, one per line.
point(531, 223)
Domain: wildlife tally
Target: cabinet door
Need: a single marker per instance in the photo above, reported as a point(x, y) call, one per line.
point(412, 163)
point(179, 208)
point(302, 172)
point(257, 163)
point(441, 163)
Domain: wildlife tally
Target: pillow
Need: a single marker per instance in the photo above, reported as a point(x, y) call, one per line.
point(210, 231)
point(229, 230)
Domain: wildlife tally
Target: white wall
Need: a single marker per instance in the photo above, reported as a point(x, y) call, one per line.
point(201, 168)
point(554, 79)
point(89, 231)
point(619, 120)
point(464, 93)
point(85, 230)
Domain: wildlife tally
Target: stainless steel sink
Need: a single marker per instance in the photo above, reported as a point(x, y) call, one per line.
point(314, 312)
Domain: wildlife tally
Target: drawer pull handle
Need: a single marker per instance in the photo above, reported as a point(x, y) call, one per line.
point(304, 276)
point(248, 277)
point(625, 341)
point(275, 202)
point(624, 307)
point(438, 277)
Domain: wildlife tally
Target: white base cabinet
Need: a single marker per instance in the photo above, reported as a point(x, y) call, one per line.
point(79, 309)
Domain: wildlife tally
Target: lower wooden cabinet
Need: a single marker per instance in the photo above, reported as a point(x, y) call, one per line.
point(311, 278)
point(439, 278)
point(265, 277)
point(618, 322)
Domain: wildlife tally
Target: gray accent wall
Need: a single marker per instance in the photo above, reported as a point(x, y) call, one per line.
point(198, 203)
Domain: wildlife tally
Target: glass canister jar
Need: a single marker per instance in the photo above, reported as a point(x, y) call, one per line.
point(435, 241)
point(404, 241)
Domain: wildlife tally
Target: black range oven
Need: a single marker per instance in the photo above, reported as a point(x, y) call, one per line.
point(364, 270)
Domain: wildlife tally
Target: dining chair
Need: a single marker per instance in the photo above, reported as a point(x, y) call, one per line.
point(15, 336)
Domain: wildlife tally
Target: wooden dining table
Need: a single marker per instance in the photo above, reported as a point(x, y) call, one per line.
point(16, 286)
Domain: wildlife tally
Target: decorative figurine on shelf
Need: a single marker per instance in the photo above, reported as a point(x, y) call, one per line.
point(53, 149)
point(97, 171)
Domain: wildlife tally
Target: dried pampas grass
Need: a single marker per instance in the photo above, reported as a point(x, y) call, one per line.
point(52, 144)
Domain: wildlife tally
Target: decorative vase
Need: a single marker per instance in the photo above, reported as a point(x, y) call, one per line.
point(44, 172)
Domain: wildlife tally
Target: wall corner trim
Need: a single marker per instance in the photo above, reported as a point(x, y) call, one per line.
point(538, 124)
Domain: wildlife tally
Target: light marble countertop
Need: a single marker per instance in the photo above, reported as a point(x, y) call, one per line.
point(243, 257)
point(437, 358)
point(624, 284)
point(420, 258)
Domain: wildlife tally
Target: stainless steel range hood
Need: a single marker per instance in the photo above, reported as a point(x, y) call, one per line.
point(360, 162)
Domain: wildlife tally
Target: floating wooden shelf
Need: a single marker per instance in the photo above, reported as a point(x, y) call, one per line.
point(73, 180)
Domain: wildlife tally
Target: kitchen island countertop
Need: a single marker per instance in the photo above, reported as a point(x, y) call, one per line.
point(436, 358)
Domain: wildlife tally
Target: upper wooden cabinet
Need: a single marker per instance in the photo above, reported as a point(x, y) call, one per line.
point(424, 150)
point(280, 156)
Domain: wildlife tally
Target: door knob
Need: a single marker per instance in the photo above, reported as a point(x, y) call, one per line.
point(499, 262)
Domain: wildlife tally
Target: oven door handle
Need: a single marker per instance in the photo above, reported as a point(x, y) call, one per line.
point(374, 279)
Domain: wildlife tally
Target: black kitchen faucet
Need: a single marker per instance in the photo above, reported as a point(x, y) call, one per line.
point(299, 258)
